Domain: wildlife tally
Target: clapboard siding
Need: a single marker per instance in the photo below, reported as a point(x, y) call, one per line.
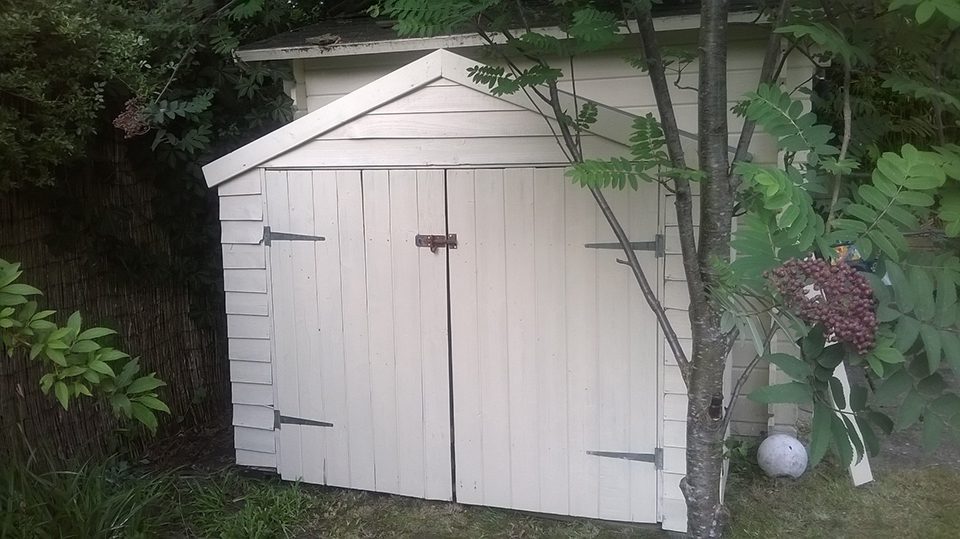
point(244, 184)
point(256, 459)
point(247, 303)
point(419, 125)
point(253, 372)
point(242, 232)
point(249, 349)
point(258, 417)
point(241, 208)
point(244, 393)
point(439, 98)
point(245, 280)
point(248, 326)
point(451, 152)
point(244, 257)
point(251, 439)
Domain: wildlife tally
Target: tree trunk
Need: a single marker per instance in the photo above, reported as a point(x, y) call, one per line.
point(701, 487)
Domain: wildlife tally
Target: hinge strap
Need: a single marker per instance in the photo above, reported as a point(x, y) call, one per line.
point(271, 236)
point(287, 420)
point(656, 457)
point(657, 245)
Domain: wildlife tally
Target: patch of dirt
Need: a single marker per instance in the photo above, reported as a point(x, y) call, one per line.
point(206, 447)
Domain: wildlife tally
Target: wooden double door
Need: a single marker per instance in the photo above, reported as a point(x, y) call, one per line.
point(516, 367)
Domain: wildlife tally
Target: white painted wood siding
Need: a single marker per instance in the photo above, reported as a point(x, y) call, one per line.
point(468, 128)
point(360, 335)
point(554, 348)
point(248, 322)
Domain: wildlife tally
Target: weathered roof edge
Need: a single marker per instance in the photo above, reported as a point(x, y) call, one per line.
point(661, 24)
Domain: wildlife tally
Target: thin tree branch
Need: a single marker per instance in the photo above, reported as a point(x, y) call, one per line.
point(783, 60)
point(523, 15)
point(797, 87)
point(683, 200)
point(768, 73)
point(558, 113)
point(844, 145)
point(938, 80)
point(575, 155)
point(516, 71)
point(744, 376)
point(648, 293)
point(576, 104)
point(676, 82)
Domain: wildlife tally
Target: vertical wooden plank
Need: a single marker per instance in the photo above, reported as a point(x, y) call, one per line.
point(581, 319)
point(405, 261)
point(467, 400)
point(645, 366)
point(492, 336)
point(521, 333)
point(356, 351)
point(613, 366)
point(330, 319)
point(551, 347)
point(383, 380)
point(305, 323)
point(434, 344)
point(285, 346)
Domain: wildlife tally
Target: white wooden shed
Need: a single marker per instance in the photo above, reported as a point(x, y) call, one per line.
point(420, 303)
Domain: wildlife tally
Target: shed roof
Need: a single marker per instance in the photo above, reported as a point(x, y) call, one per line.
point(353, 36)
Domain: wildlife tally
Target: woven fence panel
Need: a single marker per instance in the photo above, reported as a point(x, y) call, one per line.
point(152, 315)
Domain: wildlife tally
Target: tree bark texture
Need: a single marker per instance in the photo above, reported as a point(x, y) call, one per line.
point(701, 487)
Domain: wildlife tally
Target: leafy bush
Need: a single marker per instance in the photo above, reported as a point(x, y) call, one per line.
point(78, 360)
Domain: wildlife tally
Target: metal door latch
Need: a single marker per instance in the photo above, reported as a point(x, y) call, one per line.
point(435, 241)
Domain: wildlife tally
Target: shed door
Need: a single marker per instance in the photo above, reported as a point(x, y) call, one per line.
point(360, 323)
point(554, 348)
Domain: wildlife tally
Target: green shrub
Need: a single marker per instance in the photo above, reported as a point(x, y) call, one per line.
point(77, 360)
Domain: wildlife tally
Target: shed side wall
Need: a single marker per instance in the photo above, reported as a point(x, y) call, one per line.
point(248, 322)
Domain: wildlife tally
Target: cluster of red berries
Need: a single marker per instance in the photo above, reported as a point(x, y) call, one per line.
point(846, 307)
point(132, 121)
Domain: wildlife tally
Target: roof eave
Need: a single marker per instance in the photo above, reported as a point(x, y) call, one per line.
point(661, 24)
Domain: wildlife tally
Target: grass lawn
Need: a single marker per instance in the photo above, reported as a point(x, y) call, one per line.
point(234, 506)
point(903, 502)
point(108, 499)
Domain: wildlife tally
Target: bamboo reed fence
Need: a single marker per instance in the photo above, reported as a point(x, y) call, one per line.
point(152, 315)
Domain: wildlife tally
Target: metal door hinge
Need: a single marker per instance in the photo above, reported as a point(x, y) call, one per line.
point(657, 245)
point(271, 236)
point(287, 420)
point(656, 457)
point(435, 241)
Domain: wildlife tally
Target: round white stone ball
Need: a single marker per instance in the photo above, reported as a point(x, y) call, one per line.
point(782, 455)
